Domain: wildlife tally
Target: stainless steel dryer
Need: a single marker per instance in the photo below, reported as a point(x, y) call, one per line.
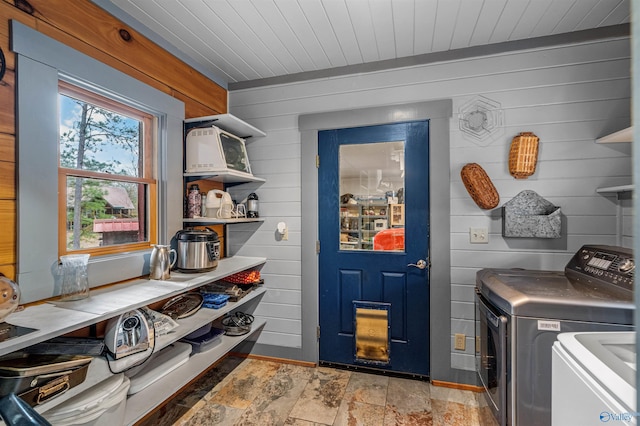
point(520, 312)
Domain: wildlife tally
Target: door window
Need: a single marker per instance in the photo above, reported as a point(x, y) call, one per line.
point(372, 196)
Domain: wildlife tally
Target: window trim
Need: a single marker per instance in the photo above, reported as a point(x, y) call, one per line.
point(148, 173)
point(40, 63)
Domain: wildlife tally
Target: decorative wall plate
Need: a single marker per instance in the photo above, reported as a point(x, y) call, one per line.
point(480, 119)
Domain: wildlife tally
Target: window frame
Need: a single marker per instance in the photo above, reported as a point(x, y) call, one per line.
point(149, 124)
point(41, 62)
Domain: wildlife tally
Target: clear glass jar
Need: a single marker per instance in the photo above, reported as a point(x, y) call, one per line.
point(75, 277)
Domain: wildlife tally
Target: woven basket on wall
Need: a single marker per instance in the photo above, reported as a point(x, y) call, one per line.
point(479, 186)
point(523, 155)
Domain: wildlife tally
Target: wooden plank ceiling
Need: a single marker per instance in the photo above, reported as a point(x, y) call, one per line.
point(243, 40)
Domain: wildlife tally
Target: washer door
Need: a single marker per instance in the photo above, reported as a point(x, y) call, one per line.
point(491, 358)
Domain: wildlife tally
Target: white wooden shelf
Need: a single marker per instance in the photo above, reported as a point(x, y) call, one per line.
point(143, 402)
point(213, 220)
point(56, 318)
point(202, 317)
point(227, 176)
point(624, 135)
point(231, 124)
point(615, 189)
point(152, 396)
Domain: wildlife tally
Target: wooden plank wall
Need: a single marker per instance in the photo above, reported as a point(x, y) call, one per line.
point(567, 95)
point(87, 28)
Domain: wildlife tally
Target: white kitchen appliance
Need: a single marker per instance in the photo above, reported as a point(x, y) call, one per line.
point(593, 379)
point(130, 339)
point(219, 204)
point(211, 149)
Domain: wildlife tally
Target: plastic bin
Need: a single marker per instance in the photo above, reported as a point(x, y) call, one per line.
point(103, 404)
point(206, 341)
point(214, 301)
point(159, 365)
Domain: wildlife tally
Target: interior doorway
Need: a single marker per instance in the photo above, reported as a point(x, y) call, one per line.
point(439, 114)
point(374, 244)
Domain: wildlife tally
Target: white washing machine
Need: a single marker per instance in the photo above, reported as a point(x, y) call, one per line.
point(593, 379)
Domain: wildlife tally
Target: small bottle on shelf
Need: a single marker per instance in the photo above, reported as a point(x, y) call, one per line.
point(203, 204)
point(194, 204)
point(252, 205)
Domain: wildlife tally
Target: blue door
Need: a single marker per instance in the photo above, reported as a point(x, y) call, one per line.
point(373, 185)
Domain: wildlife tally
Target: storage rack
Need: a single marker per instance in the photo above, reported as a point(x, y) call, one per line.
point(55, 318)
point(361, 236)
point(624, 135)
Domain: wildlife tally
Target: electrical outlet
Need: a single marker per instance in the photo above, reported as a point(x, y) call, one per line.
point(459, 342)
point(283, 231)
point(479, 235)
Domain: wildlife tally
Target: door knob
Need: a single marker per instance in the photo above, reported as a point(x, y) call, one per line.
point(420, 264)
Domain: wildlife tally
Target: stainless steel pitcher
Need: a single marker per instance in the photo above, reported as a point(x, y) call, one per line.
point(160, 262)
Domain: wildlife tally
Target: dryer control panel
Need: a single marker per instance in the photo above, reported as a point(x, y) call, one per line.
point(603, 266)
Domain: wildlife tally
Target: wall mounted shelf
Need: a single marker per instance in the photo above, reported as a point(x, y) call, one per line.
point(63, 317)
point(56, 318)
point(225, 177)
point(216, 221)
point(230, 123)
point(615, 189)
point(624, 135)
point(145, 401)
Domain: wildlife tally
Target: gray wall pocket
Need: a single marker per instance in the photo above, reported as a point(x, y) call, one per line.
point(528, 215)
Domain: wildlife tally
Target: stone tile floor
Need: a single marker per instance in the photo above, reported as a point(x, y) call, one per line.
point(242, 391)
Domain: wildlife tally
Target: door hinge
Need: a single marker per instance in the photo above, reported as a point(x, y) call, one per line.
point(317, 161)
point(318, 332)
point(317, 246)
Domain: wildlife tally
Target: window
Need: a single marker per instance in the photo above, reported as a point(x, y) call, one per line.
point(105, 174)
point(371, 201)
point(41, 63)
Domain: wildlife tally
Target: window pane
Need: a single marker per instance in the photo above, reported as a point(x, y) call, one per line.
point(97, 139)
point(371, 202)
point(104, 213)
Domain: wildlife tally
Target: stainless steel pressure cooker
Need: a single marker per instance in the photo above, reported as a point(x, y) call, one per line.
point(198, 250)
